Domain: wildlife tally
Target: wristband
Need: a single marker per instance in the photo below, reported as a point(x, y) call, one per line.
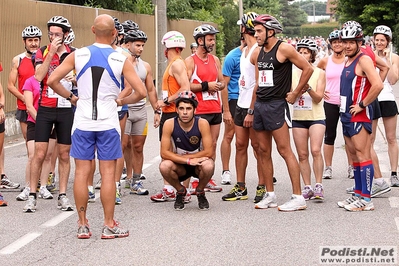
point(165, 101)
point(70, 97)
point(204, 86)
point(188, 161)
point(361, 105)
point(156, 111)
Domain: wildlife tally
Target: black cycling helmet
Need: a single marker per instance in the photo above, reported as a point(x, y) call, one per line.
point(59, 21)
point(129, 25)
point(187, 96)
point(118, 26)
point(247, 21)
point(135, 35)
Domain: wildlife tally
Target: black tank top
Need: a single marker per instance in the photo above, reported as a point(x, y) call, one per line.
point(275, 78)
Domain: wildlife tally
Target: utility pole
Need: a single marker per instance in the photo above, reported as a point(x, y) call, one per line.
point(161, 21)
point(240, 9)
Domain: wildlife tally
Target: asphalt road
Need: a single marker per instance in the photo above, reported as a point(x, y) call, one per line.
point(230, 233)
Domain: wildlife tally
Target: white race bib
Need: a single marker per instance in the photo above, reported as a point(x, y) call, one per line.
point(266, 78)
point(304, 102)
point(207, 96)
point(342, 107)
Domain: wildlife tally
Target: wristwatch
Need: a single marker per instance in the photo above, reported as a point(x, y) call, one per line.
point(70, 97)
point(361, 105)
point(165, 101)
point(309, 89)
point(250, 111)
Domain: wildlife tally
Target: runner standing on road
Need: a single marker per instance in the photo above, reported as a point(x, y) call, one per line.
point(269, 113)
point(99, 72)
point(360, 86)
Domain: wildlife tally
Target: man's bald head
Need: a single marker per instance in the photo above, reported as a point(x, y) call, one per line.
point(104, 26)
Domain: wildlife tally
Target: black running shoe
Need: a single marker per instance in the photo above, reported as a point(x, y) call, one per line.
point(179, 202)
point(203, 203)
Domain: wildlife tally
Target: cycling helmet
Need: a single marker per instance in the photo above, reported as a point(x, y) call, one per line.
point(59, 21)
point(135, 35)
point(308, 44)
point(193, 45)
point(247, 21)
point(187, 96)
point(70, 38)
point(352, 23)
point(203, 30)
point(31, 32)
point(269, 22)
point(334, 35)
point(118, 26)
point(382, 29)
point(129, 25)
point(174, 39)
point(352, 32)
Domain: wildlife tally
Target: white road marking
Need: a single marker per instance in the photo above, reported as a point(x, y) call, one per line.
point(397, 222)
point(57, 219)
point(14, 145)
point(19, 243)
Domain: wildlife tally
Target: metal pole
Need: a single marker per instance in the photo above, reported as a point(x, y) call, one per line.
point(240, 9)
point(161, 21)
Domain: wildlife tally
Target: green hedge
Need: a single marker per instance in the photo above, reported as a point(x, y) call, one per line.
point(318, 29)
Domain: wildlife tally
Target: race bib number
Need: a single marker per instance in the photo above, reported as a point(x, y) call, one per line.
point(303, 103)
point(207, 96)
point(342, 107)
point(266, 78)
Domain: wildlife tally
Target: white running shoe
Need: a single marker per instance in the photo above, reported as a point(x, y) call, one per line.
point(296, 203)
point(30, 205)
point(226, 178)
point(327, 173)
point(348, 201)
point(360, 205)
point(267, 202)
point(44, 193)
point(351, 173)
point(23, 196)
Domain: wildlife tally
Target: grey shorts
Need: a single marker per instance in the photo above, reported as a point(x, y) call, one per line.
point(21, 115)
point(271, 115)
point(136, 123)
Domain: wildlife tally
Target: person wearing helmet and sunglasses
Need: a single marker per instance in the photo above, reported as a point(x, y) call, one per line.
point(193, 47)
point(186, 150)
point(22, 69)
point(308, 122)
point(206, 80)
point(54, 110)
point(360, 86)
point(135, 134)
point(389, 110)
point(174, 81)
point(269, 112)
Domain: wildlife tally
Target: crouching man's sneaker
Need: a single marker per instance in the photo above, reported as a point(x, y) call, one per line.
point(163, 196)
point(114, 232)
point(296, 203)
point(203, 203)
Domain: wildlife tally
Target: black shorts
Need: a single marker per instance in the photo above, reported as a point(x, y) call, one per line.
point(240, 115)
point(388, 108)
point(190, 171)
point(59, 118)
point(232, 107)
point(376, 109)
point(164, 117)
point(2, 127)
point(271, 115)
point(122, 114)
point(30, 133)
point(307, 123)
point(213, 119)
point(21, 115)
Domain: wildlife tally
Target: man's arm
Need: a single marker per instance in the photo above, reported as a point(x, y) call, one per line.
point(42, 69)
point(254, 60)
point(289, 52)
point(12, 79)
point(366, 65)
point(59, 73)
point(227, 117)
point(152, 94)
point(134, 80)
point(2, 100)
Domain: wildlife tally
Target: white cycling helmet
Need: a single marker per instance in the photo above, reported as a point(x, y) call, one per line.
point(31, 32)
point(173, 39)
point(352, 32)
point(70, 38)
point(203, 30)
point(382, 29)
point(59, 21)
point(306, 43)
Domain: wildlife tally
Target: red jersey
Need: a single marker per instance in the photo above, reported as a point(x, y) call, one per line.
point(206, 71)
point(25, 71)
point(48, 97)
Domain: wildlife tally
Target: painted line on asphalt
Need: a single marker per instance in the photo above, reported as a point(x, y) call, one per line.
point(19, 243)
point(57, 219)
point(14, 145)
point(397, 222)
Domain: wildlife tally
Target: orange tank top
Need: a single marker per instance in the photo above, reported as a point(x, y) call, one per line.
point(169, 87)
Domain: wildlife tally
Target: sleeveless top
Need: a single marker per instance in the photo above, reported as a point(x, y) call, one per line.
point(186, 142)
point(247, 78)
point(304, 108)
point(333, 79)
point(25, 71)
point(206, 71)
point(354, 89)
point(169, 87)
point(387, 91)
point(275, 77)
point(99, 76)
point(142, 73)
